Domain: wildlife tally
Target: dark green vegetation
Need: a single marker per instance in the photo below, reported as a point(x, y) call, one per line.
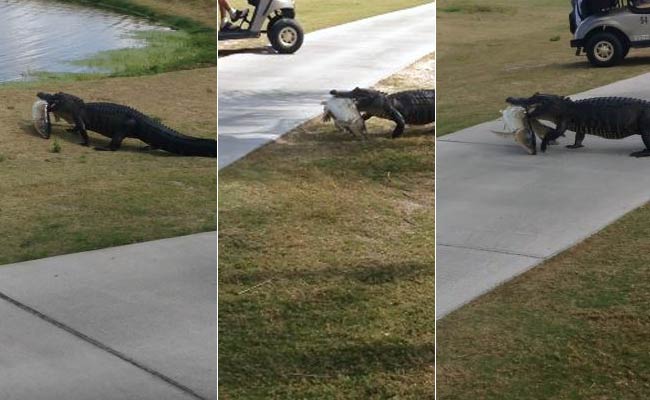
point(577, 327)
point(326, 271)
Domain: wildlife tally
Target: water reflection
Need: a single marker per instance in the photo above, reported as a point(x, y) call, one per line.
point(44, 35)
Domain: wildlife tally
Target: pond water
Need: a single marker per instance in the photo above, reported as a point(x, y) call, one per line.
point(40, 35)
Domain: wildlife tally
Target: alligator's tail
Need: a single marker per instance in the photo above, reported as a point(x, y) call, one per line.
point(162, 137)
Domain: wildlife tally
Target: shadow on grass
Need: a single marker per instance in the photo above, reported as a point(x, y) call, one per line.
point(367, 274)
point(336, 330)
point(583, 63)
point(263, 50)
point(59, 132)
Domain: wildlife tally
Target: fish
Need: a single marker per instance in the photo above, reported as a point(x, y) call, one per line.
point(345, 114)
point(41, 119)
point(522, 129)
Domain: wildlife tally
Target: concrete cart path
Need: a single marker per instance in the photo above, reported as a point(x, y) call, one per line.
point(501, 211)
point(130, 322)
point(263, 96)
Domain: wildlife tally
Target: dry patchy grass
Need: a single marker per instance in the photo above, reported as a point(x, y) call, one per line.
point(576, 327)
point(80, 199)
point(338, 234)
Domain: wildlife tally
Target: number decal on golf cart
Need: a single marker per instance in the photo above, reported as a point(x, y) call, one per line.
point(644, 20)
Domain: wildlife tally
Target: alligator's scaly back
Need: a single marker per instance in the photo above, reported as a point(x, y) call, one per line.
point(417, 106)
point(118, 122)
point(103, 116)
point(606, 117)
point(412, 107)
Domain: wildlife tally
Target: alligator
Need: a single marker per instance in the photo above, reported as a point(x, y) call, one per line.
point(606, 117)
point(412, 107)
point(118, 122)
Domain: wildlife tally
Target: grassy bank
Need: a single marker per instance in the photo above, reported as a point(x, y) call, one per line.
point(80, 199)
point(192, 43)
point(577, 327)
point(489, 50)
point(326, 283)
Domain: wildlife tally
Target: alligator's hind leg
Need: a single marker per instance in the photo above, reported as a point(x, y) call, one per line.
point(580, 136)
point(116, 140)
point(398, 118)
point(646, 140)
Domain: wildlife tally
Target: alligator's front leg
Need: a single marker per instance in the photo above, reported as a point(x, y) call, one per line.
point(80, 127)
point(398, 118)
point(554, 134)
point(531, 136)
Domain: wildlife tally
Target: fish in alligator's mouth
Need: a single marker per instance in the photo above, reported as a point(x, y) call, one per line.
point(41, 118)
point(522, 129)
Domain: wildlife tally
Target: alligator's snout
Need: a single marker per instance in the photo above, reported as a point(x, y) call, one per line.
point(517, 101)
point(44, 96)
point(339, 93)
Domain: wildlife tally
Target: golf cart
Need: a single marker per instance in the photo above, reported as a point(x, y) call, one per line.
point(606, 29)
point(284, 32)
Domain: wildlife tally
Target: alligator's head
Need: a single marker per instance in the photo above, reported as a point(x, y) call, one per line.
point(59, 102)
point(363, 98)
point(63, 105)
point(542, 106)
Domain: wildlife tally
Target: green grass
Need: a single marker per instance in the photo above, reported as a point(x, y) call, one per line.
point(165, 51)
point(489, 50)
point(326, 267)
point(576, 327)
point(315, 14)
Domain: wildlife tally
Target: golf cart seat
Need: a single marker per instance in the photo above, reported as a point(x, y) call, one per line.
point(639, 6)
point(591, 7)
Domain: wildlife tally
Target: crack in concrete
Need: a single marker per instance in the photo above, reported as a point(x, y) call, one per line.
point(101, 346)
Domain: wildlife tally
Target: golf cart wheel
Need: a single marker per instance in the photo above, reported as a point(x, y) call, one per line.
point(604, 50)
point(286, 36)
